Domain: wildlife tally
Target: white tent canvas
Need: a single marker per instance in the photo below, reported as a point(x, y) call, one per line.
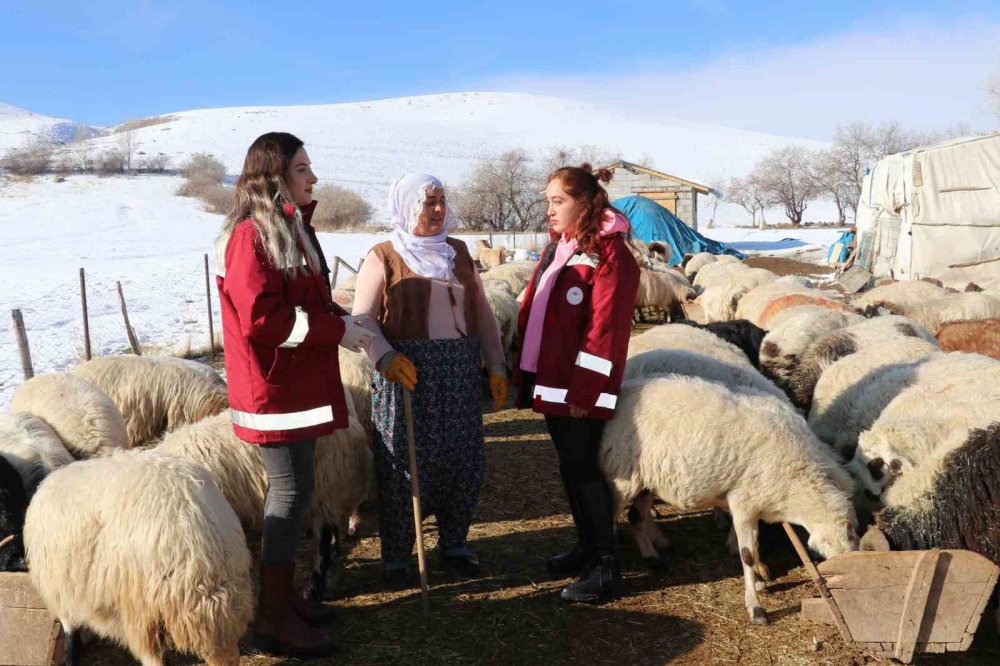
point(925, 211)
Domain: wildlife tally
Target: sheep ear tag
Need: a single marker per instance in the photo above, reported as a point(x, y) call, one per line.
point(574, 296)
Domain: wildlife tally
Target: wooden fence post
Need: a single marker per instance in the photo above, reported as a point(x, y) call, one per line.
point(208, 298)
point(86, 315)
point(128, 327)
point(22, 344)
point(333, 275)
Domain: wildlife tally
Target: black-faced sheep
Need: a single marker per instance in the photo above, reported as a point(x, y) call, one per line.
point(730, 463)
point(792, 334)
point(156, 394)
point(138, 547)
point(83, 417)
point(740, 333)
point(845, 341)
point(31, 447)
point(960, 505)
point(13, 504)
point(950, 395)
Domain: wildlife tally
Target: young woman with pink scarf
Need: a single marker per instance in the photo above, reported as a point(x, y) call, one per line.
point(574, 327)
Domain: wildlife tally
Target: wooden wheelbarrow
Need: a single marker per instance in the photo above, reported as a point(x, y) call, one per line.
point(900, 603)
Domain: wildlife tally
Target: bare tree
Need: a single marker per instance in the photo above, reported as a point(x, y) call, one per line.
point(503, 193)
point(823, 169)
point(596, 156)
point(128, 145)
point(783, 174)
point(750, 194)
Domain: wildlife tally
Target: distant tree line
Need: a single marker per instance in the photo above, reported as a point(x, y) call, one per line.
point(791, 177)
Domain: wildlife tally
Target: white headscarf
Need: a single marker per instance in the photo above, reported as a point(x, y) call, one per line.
point(427, 256)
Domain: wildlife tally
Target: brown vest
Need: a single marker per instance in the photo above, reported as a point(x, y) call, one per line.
point(406, 298)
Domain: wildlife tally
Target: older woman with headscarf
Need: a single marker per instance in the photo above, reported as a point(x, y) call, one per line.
point(423, 290)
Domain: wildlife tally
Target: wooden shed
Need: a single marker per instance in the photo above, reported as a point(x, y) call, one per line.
point(678, 195)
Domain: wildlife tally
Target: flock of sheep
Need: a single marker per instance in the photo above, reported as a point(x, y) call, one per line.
point(794, 405)
point(135, 497)
point(790, 404)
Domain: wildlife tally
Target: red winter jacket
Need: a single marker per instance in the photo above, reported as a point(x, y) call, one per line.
point(280, 336)
point(584, 342)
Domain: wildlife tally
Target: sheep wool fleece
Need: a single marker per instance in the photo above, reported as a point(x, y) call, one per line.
point(448, 430)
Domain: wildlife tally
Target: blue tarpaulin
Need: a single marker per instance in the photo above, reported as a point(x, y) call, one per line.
point(840, 247)
point(652, 222)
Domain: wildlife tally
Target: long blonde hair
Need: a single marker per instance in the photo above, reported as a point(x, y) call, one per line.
point(261, 195)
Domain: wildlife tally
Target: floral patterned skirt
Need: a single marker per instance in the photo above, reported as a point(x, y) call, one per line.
point(448, 430)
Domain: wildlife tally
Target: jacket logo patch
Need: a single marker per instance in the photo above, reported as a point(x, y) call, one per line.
point(574, 296)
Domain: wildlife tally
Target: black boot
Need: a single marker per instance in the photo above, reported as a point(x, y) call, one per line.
point(572, 561)
point(600, 581)
point(598, 585)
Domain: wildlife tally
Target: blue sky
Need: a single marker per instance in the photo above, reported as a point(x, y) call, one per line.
point(750, 64)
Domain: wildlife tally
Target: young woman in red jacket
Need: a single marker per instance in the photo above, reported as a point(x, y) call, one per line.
point(574, 327)
point(280, 336)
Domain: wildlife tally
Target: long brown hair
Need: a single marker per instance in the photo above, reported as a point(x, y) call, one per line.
point(262, 195)
point(583, 185)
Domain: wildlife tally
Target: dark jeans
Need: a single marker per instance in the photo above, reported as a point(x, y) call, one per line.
point(291, 472)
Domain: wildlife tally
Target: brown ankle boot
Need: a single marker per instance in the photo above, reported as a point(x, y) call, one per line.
point(279, 630)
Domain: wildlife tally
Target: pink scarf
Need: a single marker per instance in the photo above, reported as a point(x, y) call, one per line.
point(613, 223)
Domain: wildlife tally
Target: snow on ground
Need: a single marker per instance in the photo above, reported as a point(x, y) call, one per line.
point(137, 231)
point(20, 126)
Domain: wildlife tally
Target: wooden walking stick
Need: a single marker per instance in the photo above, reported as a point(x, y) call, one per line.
point(418, 517)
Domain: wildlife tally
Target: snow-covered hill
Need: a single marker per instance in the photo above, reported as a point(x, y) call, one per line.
point(365, 145)
point(20, 126)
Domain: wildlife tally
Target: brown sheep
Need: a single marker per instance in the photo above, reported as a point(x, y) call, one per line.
point(978, 337)
point(793, 300)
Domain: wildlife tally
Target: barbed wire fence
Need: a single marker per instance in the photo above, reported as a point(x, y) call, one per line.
point(62, 325)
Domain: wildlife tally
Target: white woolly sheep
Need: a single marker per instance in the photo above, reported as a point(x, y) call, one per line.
point(661, 290)
point(933, 315)
point(845, 341)
point(800, 280)
point(690, 364)
point(730, 463)
point(901, 293)
point(688, 338)
point(792, 333)
point(490, 257)
point(356, 376)
point(139, 547)
point(693, 265)
point(85, 419)
point(156, 394)
point(344, 473)
point(505, 310)
point(853, 391)
point(31, 447)
point(964, 390)
point(757, 299)
point(516, 274)
point(789, 301)
point(720, 300)
point(717, 272)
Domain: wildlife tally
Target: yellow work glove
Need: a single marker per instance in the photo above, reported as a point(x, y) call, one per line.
point(400, 370)
point(499, 386)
